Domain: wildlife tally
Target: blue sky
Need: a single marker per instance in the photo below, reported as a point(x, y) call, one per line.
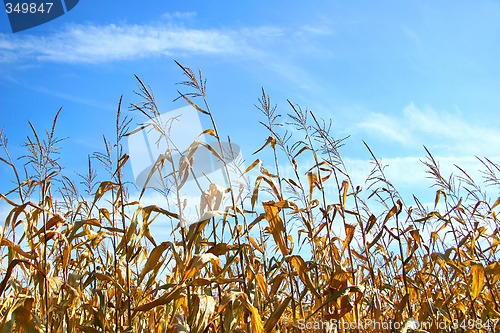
point(398, 75)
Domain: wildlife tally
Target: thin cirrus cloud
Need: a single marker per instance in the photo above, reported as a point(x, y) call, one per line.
point(179, 15)
point(449, 132)
point(102, 43)
point(87, 43)
point(385, 127)
point(411, 172)
point(452, 139)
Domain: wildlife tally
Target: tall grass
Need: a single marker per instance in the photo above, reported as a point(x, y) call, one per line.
point(286, 254)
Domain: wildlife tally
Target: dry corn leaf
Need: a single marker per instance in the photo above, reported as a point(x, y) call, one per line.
point(55, 220)
point(177, 292)
point(193, 104)
point(276, 226)
point(477, 271)
point(153, 260)
point(278, 279)
point(349, 235)
point(312, 177)
point(371, 223)
point(359, 256)
point(255, 245)
point(416, 236)
point(255, 319)
point(24, 318)
point(301, 268)
point(12, 264)
point(221, 249)
point(345, 187)
point(103, 188)
point(16, 248)
point(198, 262)
point(276, 315)
point(257, 185)
point(121, 162)
point(270, 140)
point(396, 209)
point(211, 199)
point(303, 149)
point(261, 282)
point(493, 270)
point(334, 297)
point(202, 313)
point(256, 221)
point(496, 203)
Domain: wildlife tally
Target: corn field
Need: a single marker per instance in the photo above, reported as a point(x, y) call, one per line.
point(284, 254)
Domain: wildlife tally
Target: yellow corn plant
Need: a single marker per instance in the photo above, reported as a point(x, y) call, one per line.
point(299, 249)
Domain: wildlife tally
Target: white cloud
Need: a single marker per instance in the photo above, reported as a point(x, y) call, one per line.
point(385, 126)
point(101, 43)
point(459, 134)
point(409, 175)
point(315, 30)
point(262, 34)
point(401, 172)
point(450, 132)
point(179, 15)
point(87, 43)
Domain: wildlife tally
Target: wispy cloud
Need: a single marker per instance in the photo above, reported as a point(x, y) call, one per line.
point(386, 127)
point(102, 43)
point(315, 30)
point(449, 132)
point(88, 43)
point(179, 15)
point(463, 135)
point(452, 138)
point(410, 176)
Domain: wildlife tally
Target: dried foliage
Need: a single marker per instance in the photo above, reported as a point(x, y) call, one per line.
point(302, 247)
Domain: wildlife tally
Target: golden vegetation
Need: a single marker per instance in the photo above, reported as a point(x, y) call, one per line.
point(288, 257)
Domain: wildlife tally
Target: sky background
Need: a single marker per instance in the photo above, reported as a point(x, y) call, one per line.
point(398, 75)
